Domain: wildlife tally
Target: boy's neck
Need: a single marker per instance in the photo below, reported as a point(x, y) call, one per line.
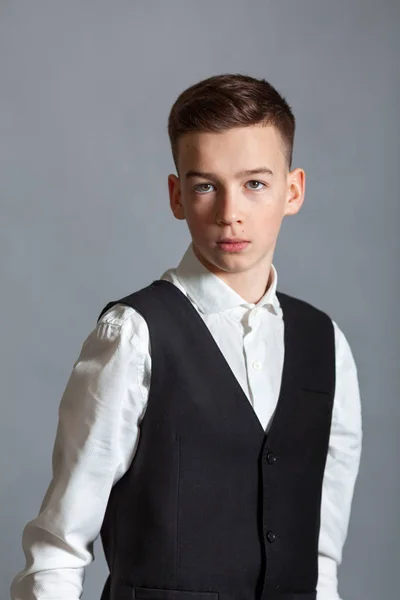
point(250, 288)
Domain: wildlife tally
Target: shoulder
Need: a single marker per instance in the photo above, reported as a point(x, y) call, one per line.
point(118, 315)
point(303, 307)
point(343, 349)
point(122, 313)
point(122, 322)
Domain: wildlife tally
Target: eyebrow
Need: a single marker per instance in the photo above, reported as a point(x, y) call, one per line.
point(244, 173)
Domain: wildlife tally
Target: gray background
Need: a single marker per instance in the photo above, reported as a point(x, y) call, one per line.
point(86, 88)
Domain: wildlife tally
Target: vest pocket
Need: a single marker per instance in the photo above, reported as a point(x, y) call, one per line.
point(141, 593)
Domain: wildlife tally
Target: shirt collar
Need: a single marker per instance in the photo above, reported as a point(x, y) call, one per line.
point(211, 294)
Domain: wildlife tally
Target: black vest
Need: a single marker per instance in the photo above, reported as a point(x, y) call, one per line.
point(212, 507)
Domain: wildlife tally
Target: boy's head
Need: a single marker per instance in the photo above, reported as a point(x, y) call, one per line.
point(218, 128)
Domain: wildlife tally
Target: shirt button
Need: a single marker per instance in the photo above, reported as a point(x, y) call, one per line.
point(271, 458)
point(256, 365)
point(271, 536)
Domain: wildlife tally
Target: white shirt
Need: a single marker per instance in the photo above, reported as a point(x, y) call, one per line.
point(105, 399)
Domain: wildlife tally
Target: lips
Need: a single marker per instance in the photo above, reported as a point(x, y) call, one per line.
point(232, 241)
point(233, 246)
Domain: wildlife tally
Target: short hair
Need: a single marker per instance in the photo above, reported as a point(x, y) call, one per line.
point(226, 101)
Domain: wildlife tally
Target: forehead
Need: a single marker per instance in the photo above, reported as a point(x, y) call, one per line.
point(234, 149)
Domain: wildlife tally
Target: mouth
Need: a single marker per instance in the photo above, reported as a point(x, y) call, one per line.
point(233, 244)
point(231, 240)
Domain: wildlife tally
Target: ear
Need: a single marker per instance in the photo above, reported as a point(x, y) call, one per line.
point(175, 197)
point(296, 187)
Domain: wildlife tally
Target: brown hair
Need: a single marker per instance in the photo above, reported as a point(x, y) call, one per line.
point(226, 101)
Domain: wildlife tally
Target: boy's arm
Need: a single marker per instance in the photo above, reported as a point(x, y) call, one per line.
point(96, 438)
point(341, 468)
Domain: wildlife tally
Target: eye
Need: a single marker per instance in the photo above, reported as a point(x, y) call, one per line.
point(205, 185)
point(255, 181)
point(201, 185)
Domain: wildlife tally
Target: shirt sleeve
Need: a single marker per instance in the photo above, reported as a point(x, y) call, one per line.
point(97, 434)
point(341, 468)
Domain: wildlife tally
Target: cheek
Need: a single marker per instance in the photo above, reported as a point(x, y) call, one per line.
point(268, 221)
point(196, 221)
point(197, 213)
point(269, 212)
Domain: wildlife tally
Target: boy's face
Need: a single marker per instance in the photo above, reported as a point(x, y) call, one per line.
point(226, 204)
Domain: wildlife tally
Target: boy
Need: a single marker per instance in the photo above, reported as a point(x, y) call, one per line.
point(210, 431)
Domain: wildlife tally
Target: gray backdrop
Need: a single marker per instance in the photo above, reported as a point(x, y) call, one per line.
point(85, 91)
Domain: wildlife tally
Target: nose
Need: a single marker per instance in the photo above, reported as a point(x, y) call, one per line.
point(226, 208)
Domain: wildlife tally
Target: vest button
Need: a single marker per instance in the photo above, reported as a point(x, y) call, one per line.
point(271, 458)
point(271, 536)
